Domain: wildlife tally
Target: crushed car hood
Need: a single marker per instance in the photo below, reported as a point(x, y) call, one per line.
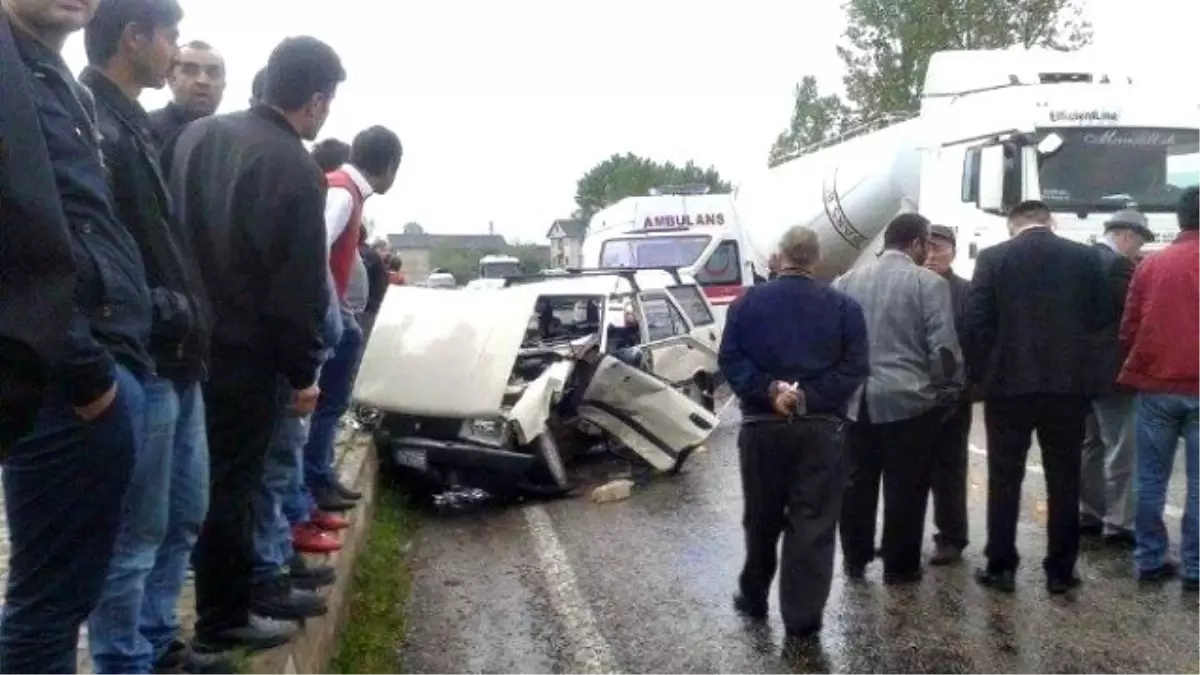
point(443, 353)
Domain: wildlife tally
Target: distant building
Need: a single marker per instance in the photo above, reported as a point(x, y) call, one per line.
point(414, 249)
point(566, 242)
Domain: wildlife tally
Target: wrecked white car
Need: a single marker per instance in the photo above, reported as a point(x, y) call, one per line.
point(501, 389)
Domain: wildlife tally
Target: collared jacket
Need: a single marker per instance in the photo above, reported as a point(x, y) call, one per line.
point(111, 308)
point(37, 263)
point(253, 202)
point(916, 359)
point(179, 337)
point(1118, 269)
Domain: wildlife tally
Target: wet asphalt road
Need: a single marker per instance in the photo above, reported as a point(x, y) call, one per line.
point(644, 585)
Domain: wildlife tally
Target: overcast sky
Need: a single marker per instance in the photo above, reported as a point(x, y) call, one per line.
point(502, 106)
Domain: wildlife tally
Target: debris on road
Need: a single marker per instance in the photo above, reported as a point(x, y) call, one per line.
point(613, 491)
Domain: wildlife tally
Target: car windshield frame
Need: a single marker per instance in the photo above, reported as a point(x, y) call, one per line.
point(631, 244)
point(1106, 169)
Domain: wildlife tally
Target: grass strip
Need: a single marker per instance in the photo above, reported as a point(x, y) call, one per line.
point(374, 631)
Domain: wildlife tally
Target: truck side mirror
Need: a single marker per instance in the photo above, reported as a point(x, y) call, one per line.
point(990, 196)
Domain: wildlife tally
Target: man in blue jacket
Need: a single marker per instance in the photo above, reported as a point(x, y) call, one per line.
point(794, 351)
point(65, 480)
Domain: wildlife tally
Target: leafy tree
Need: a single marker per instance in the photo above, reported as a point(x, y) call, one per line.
point(413, 228)
point(889, 42)
point(814, 118)
point(629, 175)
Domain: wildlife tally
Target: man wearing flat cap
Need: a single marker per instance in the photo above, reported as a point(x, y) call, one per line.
point(948, 481)
point(1106, 483)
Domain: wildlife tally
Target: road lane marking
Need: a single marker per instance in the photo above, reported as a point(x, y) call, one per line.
point(1170, 510)
point(592, 653)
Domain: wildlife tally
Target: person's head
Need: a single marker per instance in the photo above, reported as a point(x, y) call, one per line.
point(376, 152)
point(773, 263)
point(799, 250)
point(1128, 231)
point(1187, 208)
point(50, 21)
point(909, 234)
point(941, 249)
point(395, 264)
point(136, 37)
point(198, 79)
point(303, 74)
point(330, 154)
point(256, 87)
point(630, 313)
point(1029, 213)
point(380, 246)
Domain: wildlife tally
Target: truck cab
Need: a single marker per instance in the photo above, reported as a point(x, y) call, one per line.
point(681, 227)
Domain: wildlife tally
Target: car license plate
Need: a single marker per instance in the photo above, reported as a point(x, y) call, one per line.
point(414, 459)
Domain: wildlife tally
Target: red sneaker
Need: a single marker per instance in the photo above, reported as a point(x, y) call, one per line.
point(329, 522)
point(308, 539)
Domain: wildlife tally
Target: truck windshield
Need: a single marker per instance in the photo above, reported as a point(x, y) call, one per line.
point(499, 270)
point(1108, 169)
point(652, 251)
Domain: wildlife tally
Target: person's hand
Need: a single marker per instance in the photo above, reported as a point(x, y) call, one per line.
point(787, 399)
point(97, 407)
point(304, 401)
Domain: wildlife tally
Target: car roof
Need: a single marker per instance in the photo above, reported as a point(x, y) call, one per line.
point(594, 283)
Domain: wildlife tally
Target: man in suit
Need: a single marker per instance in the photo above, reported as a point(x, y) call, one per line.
point(916, 375)
point(1106, 487)
point(1036, 300)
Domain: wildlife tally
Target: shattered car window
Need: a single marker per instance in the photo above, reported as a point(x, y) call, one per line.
point(563, 318)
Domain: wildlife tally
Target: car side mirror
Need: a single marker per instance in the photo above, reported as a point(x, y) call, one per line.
point(990, 196)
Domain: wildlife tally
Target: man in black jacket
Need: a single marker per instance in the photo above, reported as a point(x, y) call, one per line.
point(197, 82)
point(130, 46)
point(253, 201)
point(65, 480)
point(1034, 304)
point(377, 281)
point(1106, 489)
point(948, 481)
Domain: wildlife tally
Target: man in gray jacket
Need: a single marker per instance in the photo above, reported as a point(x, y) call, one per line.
point(916, 374)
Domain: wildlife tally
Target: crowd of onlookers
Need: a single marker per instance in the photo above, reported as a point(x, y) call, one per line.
point(184, 301)
point(1093, 349)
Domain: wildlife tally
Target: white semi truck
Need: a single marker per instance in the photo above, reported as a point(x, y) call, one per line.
point(994, 128)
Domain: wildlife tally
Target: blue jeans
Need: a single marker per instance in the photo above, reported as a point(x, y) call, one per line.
point(64, 486)
point(1161, 420)
point(336, 383)
point(283, 500)
point(135, 621)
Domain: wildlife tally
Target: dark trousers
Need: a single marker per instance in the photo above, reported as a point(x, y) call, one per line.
point(242, 412)
point(1058, 422)
point(64, 488)
point(948, 482)
point(901, 453)
point(792, 482)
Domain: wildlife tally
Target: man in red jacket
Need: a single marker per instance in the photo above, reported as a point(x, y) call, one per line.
point(1159, 329)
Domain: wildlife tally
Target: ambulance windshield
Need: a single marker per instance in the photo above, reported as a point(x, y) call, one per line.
point(652, 251)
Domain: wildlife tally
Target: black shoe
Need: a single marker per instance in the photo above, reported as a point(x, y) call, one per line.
point(945, 554)
point(181, 658)
point(901, 578)
point(1005, 582)
point(280, 600)
point(330, 501)
point(1089, 527)
point(803, 645)
point(345, 492)
point(310, 577)
point(1191, 584)
point(256, 635)
point(750, 609)
point(1124, 540)
point(1058, 584)
point(1159, 574)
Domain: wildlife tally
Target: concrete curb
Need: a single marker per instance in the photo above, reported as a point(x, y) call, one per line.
point(316, 643)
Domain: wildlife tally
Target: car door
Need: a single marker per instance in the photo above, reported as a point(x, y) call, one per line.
point(675, 353)
point(647, 415)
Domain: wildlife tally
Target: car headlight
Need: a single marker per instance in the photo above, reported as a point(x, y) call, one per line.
point(489, 431)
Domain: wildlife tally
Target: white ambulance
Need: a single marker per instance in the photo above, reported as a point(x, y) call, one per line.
point(682, 227)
